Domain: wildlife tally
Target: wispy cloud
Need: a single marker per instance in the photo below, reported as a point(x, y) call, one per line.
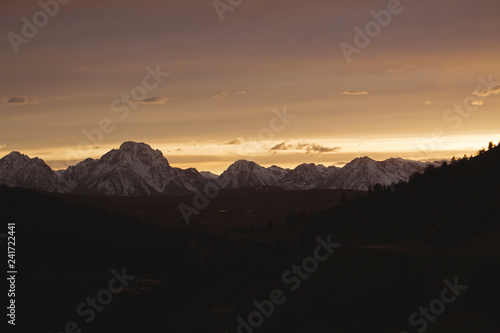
point(355, 92)
point(153, 100)
point(400, 69)
point(237, 141)
point(178, 150)
point(282, 146)
point(221, 96)
point(491, 90)
point(25, 100)
point(477, 103)
point(3, 146)
point(22, 100)
point(303, 146)
point(428, 103)
point(315, 148)
point(226, 94)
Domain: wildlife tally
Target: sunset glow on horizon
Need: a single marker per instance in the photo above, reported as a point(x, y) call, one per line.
point(271, 83)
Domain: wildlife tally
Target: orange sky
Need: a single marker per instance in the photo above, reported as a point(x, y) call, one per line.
point(415, 91)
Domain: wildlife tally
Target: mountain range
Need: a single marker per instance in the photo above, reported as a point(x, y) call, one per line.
point(136, 169)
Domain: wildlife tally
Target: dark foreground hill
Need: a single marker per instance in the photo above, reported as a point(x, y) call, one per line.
point(397, 247)
point(450, 209)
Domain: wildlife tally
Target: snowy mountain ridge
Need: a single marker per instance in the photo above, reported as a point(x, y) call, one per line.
point(137, 169)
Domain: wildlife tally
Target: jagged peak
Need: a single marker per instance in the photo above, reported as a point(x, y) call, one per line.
point(132, 147)
point(130, 150)
point(243, 163)
point(16, 154)
point(310, 166)
point(364, 158)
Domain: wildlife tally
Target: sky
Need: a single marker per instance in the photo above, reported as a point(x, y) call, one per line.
point(276, 82)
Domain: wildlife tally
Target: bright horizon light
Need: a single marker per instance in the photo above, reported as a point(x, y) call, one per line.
point(172, 75)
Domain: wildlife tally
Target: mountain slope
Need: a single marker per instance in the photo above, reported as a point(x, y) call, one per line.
point(137, 169)
point(453, 208)
point(19, 170)
point(134, 169)
point(361, 173)
point(248, 174)
point(308, 176)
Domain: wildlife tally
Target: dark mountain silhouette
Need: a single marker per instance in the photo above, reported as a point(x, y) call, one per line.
point(398, 245)
point(135, 169)
point(17, 169)
point(453, 208)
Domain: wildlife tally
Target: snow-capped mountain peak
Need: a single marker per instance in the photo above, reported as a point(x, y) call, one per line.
point(306, 176)
point(133, 169)
point(137, 169)
point(20, 170)
point(363, 172)
point(244, 173)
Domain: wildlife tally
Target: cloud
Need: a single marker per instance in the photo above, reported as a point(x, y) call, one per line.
point(153, 100)
point(491, 90)
point(3, 146)
point(355, 92)
point(21, 100)
point(221, 96)
point(225, 95)
point(477, 103)
point(307, 147)
point(400, 69)
point(237, 141)
point(178, 150)
point(428, 102)
point(282, 146)
point(25, 100)
point(314, 148)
